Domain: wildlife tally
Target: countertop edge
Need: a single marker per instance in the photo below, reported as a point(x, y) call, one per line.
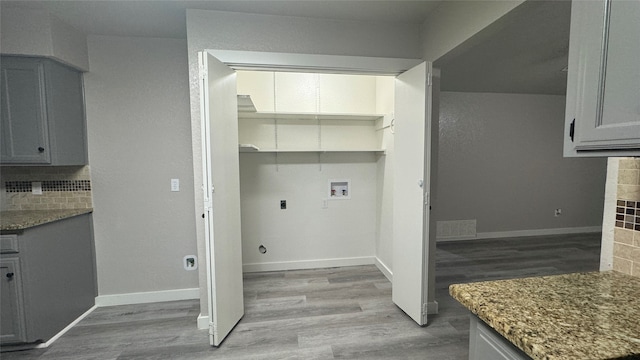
point(24, 219)
point(488, 301)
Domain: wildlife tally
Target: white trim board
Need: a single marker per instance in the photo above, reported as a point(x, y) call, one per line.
point(148, 297)
point(384, 269)
point(255, 60)
point(203, 322)
point(308, 264)
point(524, 233)
point(67, 328)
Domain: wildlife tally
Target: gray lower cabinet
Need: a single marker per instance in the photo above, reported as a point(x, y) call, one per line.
point(42, 117)
point(48, 279)
point(603, 83)
point(11, 303)
point(486, 344)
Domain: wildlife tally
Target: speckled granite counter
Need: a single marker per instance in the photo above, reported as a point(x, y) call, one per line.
point(575, 316)
point(24, 219)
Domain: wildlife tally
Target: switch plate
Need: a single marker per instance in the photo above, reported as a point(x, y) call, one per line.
point(175, 184)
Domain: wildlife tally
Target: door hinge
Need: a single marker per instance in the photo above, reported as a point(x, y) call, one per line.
point(424, 309)
point(572, 129)
point(429, 79)
point(426, 198)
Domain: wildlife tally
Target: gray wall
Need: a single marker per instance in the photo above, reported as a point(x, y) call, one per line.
point(500, 162)
point(235, 31)
point(137, 97)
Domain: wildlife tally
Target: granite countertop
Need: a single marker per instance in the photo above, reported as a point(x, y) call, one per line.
point(24, 219)
point(578, 316)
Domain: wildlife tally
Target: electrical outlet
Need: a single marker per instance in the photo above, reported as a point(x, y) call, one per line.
point(190, 262)
point(558, 212)
point(283, 204)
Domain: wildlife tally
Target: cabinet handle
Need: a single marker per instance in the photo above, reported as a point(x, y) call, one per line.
point(41, 149)
point(572, 129)
point(10, 275)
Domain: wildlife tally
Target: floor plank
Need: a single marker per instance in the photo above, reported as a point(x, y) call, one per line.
point(336, 313)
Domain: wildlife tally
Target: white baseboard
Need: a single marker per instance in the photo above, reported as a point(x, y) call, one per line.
point(147, 297)
point(522, 233)
point(384, 269)
point(308, 264)
point(203, 322)
point(432, 307)
point(67, 328)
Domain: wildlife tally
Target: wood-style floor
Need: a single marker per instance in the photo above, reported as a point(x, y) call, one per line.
point(337, 313)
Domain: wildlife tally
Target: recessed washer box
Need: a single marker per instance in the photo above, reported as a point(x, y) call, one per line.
point(339, 189)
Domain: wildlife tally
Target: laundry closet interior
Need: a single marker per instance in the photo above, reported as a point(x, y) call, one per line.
point(316, 177)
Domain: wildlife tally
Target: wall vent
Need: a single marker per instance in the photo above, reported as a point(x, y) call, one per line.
point(456, 230)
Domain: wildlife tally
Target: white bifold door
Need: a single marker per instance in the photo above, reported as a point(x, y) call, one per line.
point(221, 178)
point(412, 156)
point(412, 126)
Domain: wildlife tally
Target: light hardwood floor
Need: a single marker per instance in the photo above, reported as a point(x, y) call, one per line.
point(337, 313)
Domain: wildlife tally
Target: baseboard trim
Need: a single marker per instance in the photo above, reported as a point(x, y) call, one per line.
point(384, 269)
point(523, 233)
point(203, 322)
point(432, 307)
point(308, 264)
point(148, 297)
point(67, 328)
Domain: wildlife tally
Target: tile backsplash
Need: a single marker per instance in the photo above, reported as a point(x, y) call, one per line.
point(626, 238)
point(63, 187)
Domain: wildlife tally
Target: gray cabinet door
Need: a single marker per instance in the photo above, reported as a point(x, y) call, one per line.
point(603, 92)
point(12, 325)
point(24, 137)
point(486, 344)
point(65, 114)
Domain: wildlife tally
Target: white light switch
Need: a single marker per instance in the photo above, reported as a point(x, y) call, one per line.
point(175, 184)
point(36, 187)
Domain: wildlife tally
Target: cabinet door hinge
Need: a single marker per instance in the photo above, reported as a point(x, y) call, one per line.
point(572, 129)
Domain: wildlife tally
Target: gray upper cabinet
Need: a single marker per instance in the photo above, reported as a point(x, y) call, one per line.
point(603, 86)
point(42, 109)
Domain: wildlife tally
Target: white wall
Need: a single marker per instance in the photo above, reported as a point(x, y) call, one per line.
point(34, 32)
point(309, 234)
point(500, 162)
point(139, 138)
point(385, 98)
point(306, 235)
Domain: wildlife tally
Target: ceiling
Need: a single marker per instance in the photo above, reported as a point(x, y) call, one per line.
point(166, 18)
point(524, 52)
